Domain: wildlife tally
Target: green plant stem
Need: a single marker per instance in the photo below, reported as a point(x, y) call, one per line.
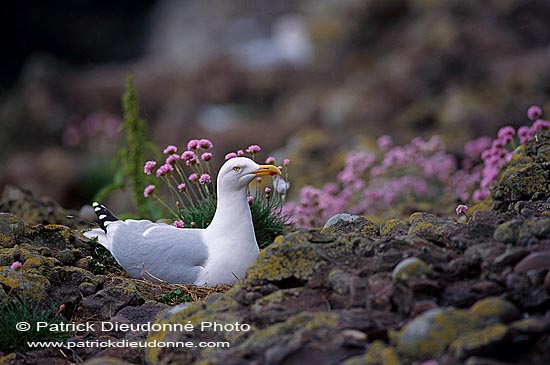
point(166, 206)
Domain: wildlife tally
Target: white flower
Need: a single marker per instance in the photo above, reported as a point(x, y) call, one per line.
point(281, 186)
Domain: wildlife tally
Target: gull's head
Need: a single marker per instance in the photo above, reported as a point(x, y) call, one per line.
point(236, 173)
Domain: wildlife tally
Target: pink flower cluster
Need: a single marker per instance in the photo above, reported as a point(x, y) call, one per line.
point(373, 182)
point(174, 174)
point(501, 149)
point(16, 266)
point(370, 183)
point(252, 150)
point(91, 129)
point(189, 175)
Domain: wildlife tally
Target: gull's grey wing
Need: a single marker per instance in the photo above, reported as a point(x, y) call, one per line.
point(158, 251)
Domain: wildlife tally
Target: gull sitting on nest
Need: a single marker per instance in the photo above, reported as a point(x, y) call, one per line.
point(218, 254)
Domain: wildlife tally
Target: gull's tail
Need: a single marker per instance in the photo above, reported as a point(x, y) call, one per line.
point(104, 215)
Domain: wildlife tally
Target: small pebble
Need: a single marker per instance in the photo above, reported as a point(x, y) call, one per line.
point(534, 261)
point(410, 267)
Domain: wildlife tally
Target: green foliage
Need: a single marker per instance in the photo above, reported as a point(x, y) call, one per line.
point(22, 309)
point(102, 259)
point(267, 218)
point(269, 221)
point(175, 297)
point(199, 214)
point(128, 163)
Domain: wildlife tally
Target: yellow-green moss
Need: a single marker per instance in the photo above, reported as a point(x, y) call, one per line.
point(390, 357)
point(472, 340)
point(428, 335)
point(495, 308)
point(392, 226)
point(410, 267)
point(32, 285)
point(529, 325)
point(378, 353)
point(39, 264)
point(373, 356)
point(194, 314)
point(10, 359)
point(321, 323)
point(286, 259)
point(6, 241)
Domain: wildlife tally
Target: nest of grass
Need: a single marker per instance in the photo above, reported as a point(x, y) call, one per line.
point(172, 294)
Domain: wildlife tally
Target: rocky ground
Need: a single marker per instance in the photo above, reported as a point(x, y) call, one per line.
point(423, 290)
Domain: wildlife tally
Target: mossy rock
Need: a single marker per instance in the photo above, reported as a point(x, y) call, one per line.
point(12, 230)
point(349, 223)
point(525, 177)
point(21, 282)
point(9, 359)
point(411, 267)
point(194, 314)
point(432, 228)
point(523, 231)
point(34, 210)
point(479, 342)
point(495, 309)
point(294, 258)
point(428, 335)
point(378, 353)
point(395, 227)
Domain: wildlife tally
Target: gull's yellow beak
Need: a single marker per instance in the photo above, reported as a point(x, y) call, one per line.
point(266, 170)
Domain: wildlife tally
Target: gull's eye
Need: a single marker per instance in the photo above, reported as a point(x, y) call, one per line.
point(236, 168)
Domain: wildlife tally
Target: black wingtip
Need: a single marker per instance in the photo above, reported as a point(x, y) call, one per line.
point(104, 215)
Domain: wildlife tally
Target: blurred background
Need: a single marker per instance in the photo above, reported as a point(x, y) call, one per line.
point(307, 79)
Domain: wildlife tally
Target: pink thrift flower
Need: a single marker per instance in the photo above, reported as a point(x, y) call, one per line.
point(207, 156)
point(205, 179)
point(230, 155)
point(190, 158)
point(539, 125)
point(270, 160)
point(473, 149)
point(240, 153)
point(267, 190)
point(164, 169)
point(170, 160)
point(252, 149)
point(179, 224)
point(182, 187)
point(188, 155)
point(148, 191)
point(169, 150)
point(205, 144)
point(193, 177)
point(286, 162)
point(249, 199)
point(16, 266)
point(149, 166)
point(481, 194)
point(384, 142)
point(497, 143)
point(193, 144)
point(61, 308)
point(524, 134)
point(505, 132)
point(534, 112)
point(461, 209)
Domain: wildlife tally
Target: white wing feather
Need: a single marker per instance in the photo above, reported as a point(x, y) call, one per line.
point(150, 250)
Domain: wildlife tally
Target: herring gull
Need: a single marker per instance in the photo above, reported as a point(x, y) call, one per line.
point(218, 254)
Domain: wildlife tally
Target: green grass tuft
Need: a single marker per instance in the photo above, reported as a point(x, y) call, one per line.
point(22, 309)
